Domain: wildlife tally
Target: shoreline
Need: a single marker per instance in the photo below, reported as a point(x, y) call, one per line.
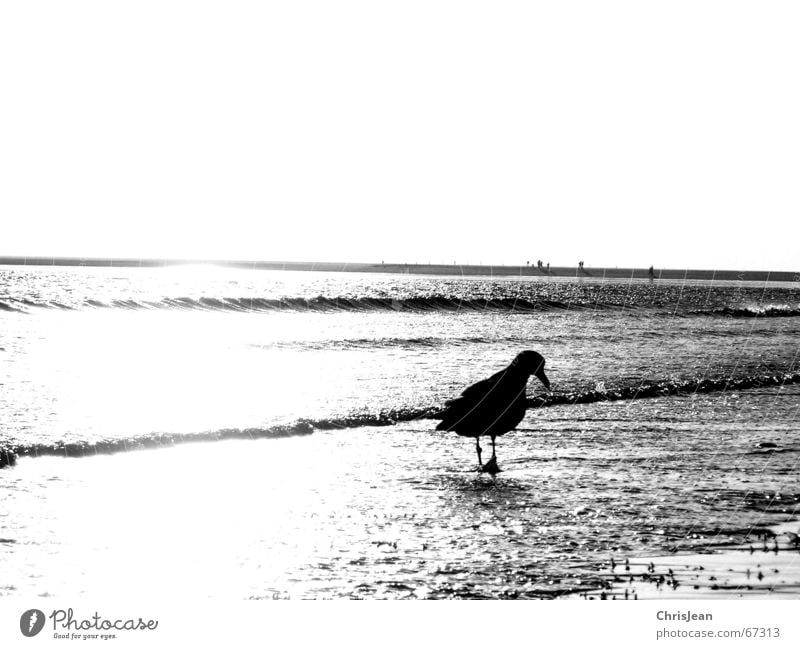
point(452, 270)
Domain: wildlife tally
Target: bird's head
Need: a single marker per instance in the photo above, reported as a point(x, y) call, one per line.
point(532, 363)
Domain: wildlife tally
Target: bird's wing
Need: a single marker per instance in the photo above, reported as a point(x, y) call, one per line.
point(481, 389)
point(456, 409)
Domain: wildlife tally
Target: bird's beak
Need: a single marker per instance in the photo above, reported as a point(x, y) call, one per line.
point(543, 378)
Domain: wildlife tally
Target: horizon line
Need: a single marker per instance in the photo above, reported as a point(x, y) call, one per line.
point(526, 269)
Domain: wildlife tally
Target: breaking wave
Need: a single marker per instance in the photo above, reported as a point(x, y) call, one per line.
point(315, 304)
point(419, 304)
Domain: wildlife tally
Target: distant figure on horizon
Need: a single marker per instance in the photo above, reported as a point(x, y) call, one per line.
point(652, 273)
point(548, 267)
point(493, 406)
point(7, 457)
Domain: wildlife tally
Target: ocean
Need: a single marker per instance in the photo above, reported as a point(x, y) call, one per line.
point(671, 427)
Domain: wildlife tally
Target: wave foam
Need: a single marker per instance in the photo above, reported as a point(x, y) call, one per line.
point(642, 390)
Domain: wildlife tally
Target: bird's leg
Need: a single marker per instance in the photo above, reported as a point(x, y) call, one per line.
point(478, 447)
point(491, 466)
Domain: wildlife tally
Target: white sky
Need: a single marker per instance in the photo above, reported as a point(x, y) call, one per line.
point(619, 133)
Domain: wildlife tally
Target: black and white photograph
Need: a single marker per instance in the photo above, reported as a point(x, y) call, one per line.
point(421, 301)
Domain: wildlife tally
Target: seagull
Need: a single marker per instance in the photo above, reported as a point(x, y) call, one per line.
point(493, 406)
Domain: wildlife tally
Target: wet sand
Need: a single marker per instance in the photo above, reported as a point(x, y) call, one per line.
point(767, 565)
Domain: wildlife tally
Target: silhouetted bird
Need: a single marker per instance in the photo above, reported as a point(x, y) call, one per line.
point(493, 406)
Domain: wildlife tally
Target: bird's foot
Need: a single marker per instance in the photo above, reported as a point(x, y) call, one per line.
point(491, 467)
